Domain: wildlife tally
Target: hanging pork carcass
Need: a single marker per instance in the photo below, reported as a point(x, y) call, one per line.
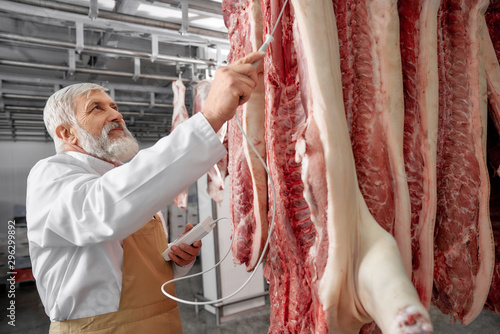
point(318, 263)
point(179, 115)
point(464, 256)
point(330, 265)
point(372, 80)
point(249, 204)
point(217, 174)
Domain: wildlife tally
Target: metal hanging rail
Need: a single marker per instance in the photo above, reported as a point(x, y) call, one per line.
point(124, 18)
point(102, 49)
point(89, 71)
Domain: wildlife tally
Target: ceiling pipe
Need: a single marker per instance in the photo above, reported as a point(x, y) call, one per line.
point(90, 71)
point(23, 79)
point(124, 18)
point(102, 49)
point(44, 98)
point(23, 108)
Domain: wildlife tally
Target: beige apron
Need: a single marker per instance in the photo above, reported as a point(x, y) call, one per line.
point(143, 307)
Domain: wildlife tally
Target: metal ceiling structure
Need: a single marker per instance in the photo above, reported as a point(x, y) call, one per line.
point(135, 48)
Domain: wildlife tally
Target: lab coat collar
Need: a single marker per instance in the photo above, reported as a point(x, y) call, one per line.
point(98, 165)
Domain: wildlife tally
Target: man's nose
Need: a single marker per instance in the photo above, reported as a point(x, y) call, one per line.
point(115, 115)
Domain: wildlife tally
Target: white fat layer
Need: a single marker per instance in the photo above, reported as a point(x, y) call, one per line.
point(253, 123)
point(388, 79)
point(428, 107)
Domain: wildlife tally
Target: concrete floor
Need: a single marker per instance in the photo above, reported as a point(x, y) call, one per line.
point(31, 318)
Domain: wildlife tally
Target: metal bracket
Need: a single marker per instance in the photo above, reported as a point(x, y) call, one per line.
point(152, 100)
point(112, 93)
point(219, 56)
point(71, 62)
point(178, 69)
point(194, 71)
point(154, 47)
point(79, 37)
point(93, 9)
point(137, 68)
point(185, 18)
point(2, 105)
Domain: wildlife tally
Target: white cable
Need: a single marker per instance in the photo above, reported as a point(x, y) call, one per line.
point(271, 227)
point(269, 39)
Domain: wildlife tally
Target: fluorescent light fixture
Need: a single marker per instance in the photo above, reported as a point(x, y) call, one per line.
point(210, 23)
point(106, 4)
point(162, 12)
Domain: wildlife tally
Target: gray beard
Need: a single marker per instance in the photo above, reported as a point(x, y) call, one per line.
point(103, 147)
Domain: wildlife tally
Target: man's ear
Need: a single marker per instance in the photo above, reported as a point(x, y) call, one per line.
point(67, 134)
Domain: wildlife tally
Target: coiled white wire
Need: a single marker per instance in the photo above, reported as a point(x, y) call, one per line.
point(271, 227)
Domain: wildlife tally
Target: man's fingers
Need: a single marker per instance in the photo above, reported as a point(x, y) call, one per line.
point(248, 74)
point(187, 228)
point(182, 254)
point(251, 58)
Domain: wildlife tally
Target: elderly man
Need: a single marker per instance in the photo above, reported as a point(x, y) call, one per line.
point(95, 234)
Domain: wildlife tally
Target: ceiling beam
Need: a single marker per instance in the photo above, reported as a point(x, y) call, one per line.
point(103, 49)
point(119, 22)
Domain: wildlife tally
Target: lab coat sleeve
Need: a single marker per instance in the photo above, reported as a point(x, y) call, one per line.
point(180, 271)
point(68, 205)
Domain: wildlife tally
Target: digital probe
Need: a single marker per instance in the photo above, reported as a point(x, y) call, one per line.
point(269, 37)
point(195, 234)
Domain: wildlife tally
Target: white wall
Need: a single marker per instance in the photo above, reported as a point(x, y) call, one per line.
point(16, 160)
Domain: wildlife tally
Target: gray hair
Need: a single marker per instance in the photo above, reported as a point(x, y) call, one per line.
point(60, 109)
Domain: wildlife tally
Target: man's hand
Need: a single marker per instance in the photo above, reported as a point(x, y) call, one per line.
point(232, 87)
point(184, 254)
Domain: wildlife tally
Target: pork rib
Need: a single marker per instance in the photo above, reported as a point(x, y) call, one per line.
point(179, 115)
point(418, 35)
point(248, 176)
point(364, 276)
point(463, 245)
point(217, 174)
point(287, 270)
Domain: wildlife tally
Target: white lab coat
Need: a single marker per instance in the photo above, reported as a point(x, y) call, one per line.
point(80, 208)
